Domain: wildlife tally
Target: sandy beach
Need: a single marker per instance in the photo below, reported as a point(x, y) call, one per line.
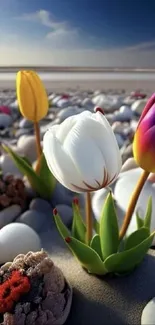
point(58, 86)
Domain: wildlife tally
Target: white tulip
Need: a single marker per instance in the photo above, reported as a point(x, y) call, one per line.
point(82, 152)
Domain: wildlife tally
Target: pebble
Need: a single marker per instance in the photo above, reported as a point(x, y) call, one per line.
point(9, 214)
point(148, 314)
point(34, 219)
point(138, 106)
point(129, 164)
point(24, 123)
point(7, 165)
point(41, 205)
point(17, 238)
point(66, 213)
point(27, 145)
point(5, 120)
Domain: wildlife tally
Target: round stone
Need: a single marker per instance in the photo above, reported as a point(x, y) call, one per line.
point(35, 219)
point(17, 238)
point(41, 205)
point(9, 214)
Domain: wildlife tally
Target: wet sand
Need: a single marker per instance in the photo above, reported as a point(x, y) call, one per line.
point(56, 86)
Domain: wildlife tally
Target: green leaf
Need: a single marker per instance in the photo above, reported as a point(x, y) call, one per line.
point(136, 238)
point(27, 170)
point(96, 226)
point(63, 230)
point(78, 225)
point(109, 231)
point(27, 160)
point(139, 220)
point(147, 219)
point(87, 257)
point(128, 260)
point(46, 176)
point(96, 245)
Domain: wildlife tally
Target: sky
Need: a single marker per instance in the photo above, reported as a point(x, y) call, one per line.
point(107, 33)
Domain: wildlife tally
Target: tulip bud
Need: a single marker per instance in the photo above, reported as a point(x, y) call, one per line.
point(31, 96)
point(82, 152)
point(143, 144)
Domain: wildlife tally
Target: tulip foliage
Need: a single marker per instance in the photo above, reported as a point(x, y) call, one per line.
point(33, 105)
point(43, 183)
point(106, 253)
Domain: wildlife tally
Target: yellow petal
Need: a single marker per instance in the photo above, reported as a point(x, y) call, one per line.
point(31, 96)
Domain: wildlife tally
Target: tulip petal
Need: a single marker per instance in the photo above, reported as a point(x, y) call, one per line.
point(39, 94)
point(25, 96)
point(85, 155)
point(60, 163)
point(111, 150)
point(147, 107)
point(143, 149)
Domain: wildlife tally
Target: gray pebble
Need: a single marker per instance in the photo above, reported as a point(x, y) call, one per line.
point(66, 213)
point(35, 219)
point(9, 214)
point(41, 206)
point(22, 132)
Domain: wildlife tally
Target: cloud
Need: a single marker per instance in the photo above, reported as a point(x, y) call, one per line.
point(142, 46)
point(60, 35)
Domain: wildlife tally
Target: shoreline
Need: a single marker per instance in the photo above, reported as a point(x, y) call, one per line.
point(62, 85)
point(76, 69)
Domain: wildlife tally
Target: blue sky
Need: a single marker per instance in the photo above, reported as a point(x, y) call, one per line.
point(77, 32)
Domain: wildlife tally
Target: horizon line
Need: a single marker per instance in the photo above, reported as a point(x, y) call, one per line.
point(47, 68)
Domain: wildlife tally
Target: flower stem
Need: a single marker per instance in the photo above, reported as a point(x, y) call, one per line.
point(89, 222)
point(38, 144)
point(132, 203)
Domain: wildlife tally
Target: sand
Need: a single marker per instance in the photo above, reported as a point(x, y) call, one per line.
point(56, 86)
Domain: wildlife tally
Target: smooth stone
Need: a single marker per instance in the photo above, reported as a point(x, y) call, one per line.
point(21, 132)
point(128, 165)
point(88, 104)
point(5, 110)
point(8, 166)
point(127, 153)
point(55, 100)
point(34, 219)
point(118, 127)
point(44, 128)
point(70, 111)
point(123, 116)
point(62, 195)
point(138, 106)
point(17, 238)
point(123, 190)
point(24, 123)
point(119, 139)
point(66, 213)
point(14, 104)
point(27, 145)
point(134, 125)
point(9, 214)
point(51, 96)
point(63, 103)
point(41, 205)
point(5, 120)
point(148, 314)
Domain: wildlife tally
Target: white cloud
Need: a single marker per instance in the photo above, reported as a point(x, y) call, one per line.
point(60, 34)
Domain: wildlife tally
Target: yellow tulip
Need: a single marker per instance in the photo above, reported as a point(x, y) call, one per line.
point(31, 96)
